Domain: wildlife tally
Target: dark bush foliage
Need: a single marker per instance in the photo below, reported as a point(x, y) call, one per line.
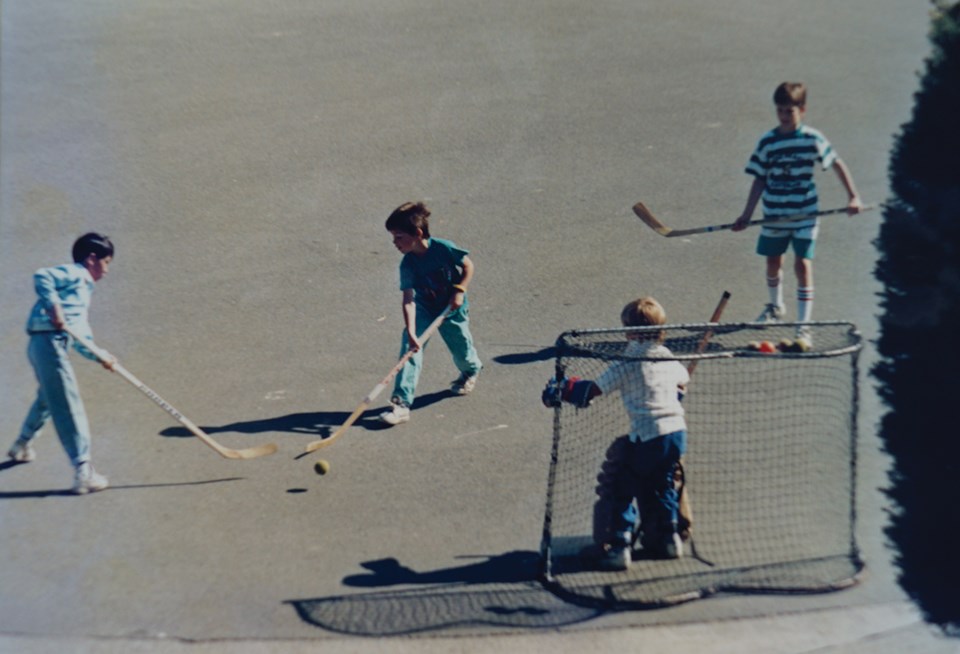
point(919, 342)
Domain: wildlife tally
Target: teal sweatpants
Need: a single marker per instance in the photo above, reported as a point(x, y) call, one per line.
point(455, 332)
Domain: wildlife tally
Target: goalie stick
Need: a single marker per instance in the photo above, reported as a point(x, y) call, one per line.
point(684, 509)
point(714, 318)
point(225, 452)
point(372, 395)
point(644, 214)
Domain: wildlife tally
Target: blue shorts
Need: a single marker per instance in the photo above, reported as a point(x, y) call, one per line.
point(774, 246)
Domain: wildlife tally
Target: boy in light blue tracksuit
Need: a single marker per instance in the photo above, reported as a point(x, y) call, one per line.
point(63, 298)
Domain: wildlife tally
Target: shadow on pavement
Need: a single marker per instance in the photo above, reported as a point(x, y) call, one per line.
point(314, 423)
point(65, 492)
point(497, 591)
point(544, 354)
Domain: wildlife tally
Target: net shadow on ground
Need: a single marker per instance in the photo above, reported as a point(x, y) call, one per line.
point(497, 592)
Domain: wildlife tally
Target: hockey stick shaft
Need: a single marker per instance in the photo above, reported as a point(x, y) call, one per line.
point(647, 217)
point(684, 504)
point(714, 318)
point(376, 390)
point(226, 452)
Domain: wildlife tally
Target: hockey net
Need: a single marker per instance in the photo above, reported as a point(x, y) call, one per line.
point(769, 470)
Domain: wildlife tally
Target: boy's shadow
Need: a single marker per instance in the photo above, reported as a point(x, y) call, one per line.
point(316, 423)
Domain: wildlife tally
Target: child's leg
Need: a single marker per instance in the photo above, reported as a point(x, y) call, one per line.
point(405, 384)
point(58, 385)
point(803, 266)
point(659, 498)
point(772, 246)
point(614, 515)
point(455, 332)
point(775, 279)
point(37, 417)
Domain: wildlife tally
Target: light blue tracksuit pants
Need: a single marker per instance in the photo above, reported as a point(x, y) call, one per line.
point(455, 332)
point(58, 396)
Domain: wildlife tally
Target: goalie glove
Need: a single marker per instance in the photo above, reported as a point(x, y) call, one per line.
point(576, 391)
point(552, 395)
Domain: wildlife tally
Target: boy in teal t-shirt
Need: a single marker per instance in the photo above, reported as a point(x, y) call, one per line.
point(434, 276)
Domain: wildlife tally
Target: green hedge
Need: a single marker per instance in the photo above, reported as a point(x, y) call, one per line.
point(919, 370)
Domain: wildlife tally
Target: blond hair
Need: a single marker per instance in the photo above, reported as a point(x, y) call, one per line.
point(644, 312)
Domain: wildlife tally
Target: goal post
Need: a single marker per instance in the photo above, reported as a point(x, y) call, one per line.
point(770, 465)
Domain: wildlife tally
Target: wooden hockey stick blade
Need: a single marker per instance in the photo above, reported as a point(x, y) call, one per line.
point(644, 214)
point(372, 395)
point(313, 446)
point(226, 452)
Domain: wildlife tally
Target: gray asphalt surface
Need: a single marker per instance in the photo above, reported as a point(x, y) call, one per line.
point(244, 155)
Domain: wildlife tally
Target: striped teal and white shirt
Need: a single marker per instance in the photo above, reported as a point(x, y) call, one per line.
point(786, 163)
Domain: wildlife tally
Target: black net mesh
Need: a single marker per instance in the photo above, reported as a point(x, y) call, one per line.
point(769, 467)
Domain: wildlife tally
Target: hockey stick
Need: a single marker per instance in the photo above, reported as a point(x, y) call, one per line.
point(226, 452)
point(715, 318)
point(644, 214)
point(684, 508)
point(372, 395)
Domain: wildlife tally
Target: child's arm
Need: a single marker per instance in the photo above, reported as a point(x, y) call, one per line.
point(854, 205)
point(460, 290)
point(753, 197)
point(410, 318)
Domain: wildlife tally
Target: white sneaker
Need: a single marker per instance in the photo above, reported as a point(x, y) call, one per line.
point(22, 452)
point(396, 415)
point(88, 480)
point(464, 384)
point(673, 548)
point(615, 557)
point(805, 334)
point(772, 313)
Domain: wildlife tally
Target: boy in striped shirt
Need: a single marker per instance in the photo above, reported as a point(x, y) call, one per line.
point(782, 166)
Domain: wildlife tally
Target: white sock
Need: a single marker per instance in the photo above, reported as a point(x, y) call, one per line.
point(804, 303)
point(775, 289)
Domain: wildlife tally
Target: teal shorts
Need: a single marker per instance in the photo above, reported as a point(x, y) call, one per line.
point(774, 246)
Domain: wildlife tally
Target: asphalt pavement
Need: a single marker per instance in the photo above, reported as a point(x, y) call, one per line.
point(244, 155)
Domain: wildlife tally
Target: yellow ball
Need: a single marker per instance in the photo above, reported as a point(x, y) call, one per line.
point(321, 467)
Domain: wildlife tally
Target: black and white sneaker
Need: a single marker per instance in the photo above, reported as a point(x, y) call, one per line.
point(464, 384)
point(772, 313)
point(396, 415)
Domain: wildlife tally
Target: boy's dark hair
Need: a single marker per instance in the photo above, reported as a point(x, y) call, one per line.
point(790, 94)
point(408, 218)
point(92, 243)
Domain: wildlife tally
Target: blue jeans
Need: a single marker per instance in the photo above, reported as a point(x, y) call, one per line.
point(636, 484)
point(455, 332)
point(58, 396)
